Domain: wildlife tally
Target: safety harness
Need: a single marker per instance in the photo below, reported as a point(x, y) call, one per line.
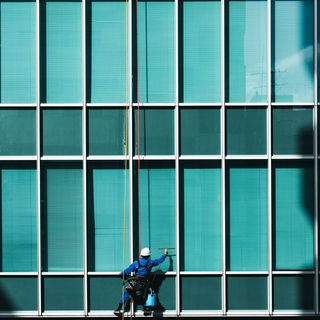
point(138, 284)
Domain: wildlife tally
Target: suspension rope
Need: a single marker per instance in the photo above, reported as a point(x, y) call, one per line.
point(138, 115)
point(126, 153)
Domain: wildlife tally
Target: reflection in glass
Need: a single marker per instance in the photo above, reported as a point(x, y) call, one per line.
point(292, 131)
point(200, 38)
point(246, 51)
point(294, 187)
point(292, 51)
point(293, 292)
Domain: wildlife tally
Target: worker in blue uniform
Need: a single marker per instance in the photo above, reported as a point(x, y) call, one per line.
point(141, 269)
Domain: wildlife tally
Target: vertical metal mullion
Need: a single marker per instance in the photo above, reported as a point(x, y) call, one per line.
point(176, 132)
point(38, 155)
point(316, 248)
point(84, 155)
point(130, 127)
point(223, 176)
point(269, 144)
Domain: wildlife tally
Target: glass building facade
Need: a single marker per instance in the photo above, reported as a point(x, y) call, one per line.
point(182, 124)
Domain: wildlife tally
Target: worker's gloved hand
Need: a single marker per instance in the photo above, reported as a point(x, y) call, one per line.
point(120, 274)
point(166, 252)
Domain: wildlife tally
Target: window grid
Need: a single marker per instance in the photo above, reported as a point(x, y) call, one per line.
point(177, 158)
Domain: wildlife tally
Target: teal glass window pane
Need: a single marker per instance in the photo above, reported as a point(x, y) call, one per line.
point(292, 51)
point(61, 132)
point(63, 293)
point(62, 217)
point(18, 51)
point(200, 293)
point(292, 131)
point(246, 51)
point(293, 293)
point(156, 131)
point(107, 131)
point(105, 293)
point(294, 188)
point(246, 131)
point(17, 132)
point(157, 210)
point(247, 293)
point(155, 52)
point(18, 294)
point(165, 289)
point(19, 218)
point(200, 42)
point(200, 131)
point(61, 51)
point(106, 216)
point(201, 216)
point(106, 51)
point(247, 216)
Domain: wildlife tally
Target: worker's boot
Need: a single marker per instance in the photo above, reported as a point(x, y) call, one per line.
point(118, 310)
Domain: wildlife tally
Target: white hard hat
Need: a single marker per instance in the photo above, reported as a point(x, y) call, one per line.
point(145, 252)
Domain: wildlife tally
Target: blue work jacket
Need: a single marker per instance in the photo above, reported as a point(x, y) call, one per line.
point(144, 271)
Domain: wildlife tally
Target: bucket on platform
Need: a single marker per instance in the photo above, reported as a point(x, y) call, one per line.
point(151, 299)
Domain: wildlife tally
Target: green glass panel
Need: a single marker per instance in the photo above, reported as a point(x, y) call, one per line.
point(18, 294)
point(18, 51)
point(293, 293)
point(61, 51)
point(105, 293)
point(61, 132)
point(156, 131)
point(292, 131)
point(106, 51)
point(246, 55)
point(200, 131)
point(246, 131)
point(292, 51)
point(107, 131)
point(106, 216)
point(247, 210)
point(155, 52)
point(200, 41)
point(165, 289)
point(247, 293)
point(294, 188)
point(201, 293)
point(19, 220)
point(63, 293)
point(157, 211)
point(17, 132)
point(201, 203)
point(62, 218)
